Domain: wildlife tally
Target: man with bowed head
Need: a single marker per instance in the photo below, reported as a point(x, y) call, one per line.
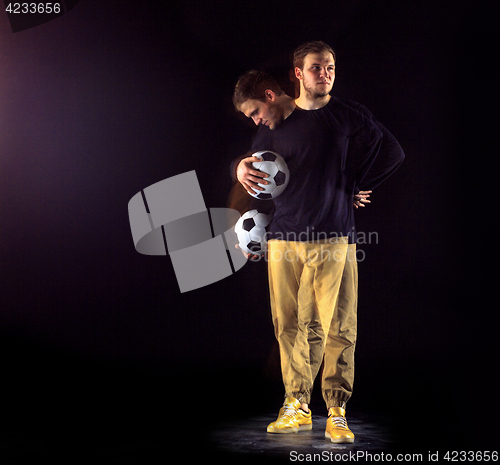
point(337, 152)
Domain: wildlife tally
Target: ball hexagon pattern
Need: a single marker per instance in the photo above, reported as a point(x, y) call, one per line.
point(275, 166)
point(251, 232)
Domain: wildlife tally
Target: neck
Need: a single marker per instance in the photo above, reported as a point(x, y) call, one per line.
point(288, 105)
point(306, 102)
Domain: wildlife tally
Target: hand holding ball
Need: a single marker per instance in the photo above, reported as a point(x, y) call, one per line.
point(278, 175)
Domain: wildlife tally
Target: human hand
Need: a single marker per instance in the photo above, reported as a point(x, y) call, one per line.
point(361, 198)
point(249, 177)
point(248, 256)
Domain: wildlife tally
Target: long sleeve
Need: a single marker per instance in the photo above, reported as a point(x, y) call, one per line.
point(390, 154)
point(389, 158)
point(362, 151)
point(235, 163)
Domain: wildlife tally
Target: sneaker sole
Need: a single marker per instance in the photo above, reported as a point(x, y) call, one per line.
point(339, 440)
point(283, 430)
point(290, 430)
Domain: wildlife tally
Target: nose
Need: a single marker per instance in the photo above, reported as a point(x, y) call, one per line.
point(257, 120)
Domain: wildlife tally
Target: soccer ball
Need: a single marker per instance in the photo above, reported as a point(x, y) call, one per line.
point(273, 165)
point(251, 232)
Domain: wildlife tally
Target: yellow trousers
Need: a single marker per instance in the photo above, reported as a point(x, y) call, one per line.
point(313, 289)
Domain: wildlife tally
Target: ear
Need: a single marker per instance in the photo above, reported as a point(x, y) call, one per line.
point(298, 73)
point(270, 95)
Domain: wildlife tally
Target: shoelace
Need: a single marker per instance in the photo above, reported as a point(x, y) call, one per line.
point(289, 411)
point(339, 422)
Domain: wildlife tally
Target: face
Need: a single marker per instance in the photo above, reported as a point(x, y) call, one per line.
point(318, 74)
point(266, 112)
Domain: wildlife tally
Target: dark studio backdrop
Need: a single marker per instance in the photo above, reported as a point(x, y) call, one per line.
point(114, 96)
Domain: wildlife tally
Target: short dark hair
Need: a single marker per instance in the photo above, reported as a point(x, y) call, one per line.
point(315, 46)
point(253, 85)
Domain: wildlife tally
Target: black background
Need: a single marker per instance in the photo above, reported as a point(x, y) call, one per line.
point(98, 346)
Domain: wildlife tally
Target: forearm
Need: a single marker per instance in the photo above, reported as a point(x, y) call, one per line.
point(388, 160)
point(234, 165)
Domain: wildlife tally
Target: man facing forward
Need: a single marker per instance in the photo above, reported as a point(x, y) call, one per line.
point(336, 153)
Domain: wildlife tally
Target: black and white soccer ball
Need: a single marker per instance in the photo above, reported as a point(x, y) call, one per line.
point(251, 232)
point(275, 166)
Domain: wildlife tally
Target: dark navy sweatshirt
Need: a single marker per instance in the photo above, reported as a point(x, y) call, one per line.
point(332, 153)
